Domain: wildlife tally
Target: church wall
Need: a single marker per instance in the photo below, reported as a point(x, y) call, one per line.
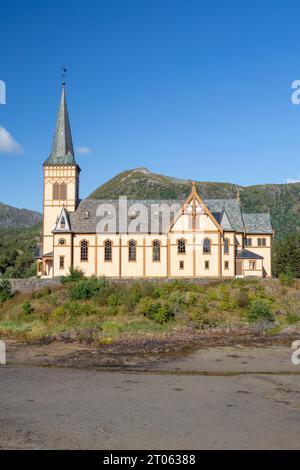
point(64, 250)
point(251, 272)
point(88, 267)
point(108, 268)
point(132, 268)
point(264, 251)
point(230, 257)
point(155, 268)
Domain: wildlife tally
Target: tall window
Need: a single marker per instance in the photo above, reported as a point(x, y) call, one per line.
point(248, 241)
point(132, 250)
point(59, 191)
point(63, 191)
point(226, 246)
point(252, 265)
point(61, 262)
point(206, 265)
point(84, 250)
point(56, 191)
point(107, 250)
point(181, 246)
point(156, 250)
point(206, 245)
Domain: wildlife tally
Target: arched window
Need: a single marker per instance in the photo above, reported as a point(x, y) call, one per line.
point(259, 241)
point(63, 191)
point(263, 242)
point(181, 246)
point(62, 223)
point(206, 245)
point(132, 250)
point(226, 246)
point(156, 250)
point(107, 250)
point(55, 194)
point(84, 250)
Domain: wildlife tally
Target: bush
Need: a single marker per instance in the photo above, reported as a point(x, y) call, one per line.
point(160, 312)
point(75, 274)
point(242, 299)
point(260, 310)
point(115, 299)
point(164, 313)
point(87, 288)
point(287, 279)
point(27, 308)
point(292, 318)
point(74, 309)
point(5, 291)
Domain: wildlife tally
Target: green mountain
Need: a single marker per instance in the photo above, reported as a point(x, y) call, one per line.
point(282, 200)
point(11, 217)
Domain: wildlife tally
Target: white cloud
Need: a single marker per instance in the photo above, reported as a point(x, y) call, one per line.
point(8, 143)
point(84, 150)
point(292, 180)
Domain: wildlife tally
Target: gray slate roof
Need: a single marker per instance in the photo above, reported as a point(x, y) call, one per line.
point(62, 152)
point(246, 254)
point(226, 211)
point(257, 223)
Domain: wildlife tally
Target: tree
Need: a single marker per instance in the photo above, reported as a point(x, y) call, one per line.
point(286, 256)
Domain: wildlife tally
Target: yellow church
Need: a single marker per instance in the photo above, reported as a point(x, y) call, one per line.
point(124, 238)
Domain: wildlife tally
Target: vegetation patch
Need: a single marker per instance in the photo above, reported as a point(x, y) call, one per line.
point(101, 310)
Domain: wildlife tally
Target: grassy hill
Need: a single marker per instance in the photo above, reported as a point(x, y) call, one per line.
point(282, 200)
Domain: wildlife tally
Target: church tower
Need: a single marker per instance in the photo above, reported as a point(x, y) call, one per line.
point(61, 180)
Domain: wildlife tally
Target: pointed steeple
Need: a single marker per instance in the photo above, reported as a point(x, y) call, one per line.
point(62, 152)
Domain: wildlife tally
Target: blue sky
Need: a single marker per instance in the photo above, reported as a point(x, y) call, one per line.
point(189, 88)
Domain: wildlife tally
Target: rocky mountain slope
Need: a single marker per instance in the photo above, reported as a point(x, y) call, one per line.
point(11, 217)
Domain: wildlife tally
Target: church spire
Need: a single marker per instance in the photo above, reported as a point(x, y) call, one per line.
point(62, 152)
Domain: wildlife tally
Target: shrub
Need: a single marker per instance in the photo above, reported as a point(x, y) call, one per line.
point(75, 274)
point(115, 299)
point(156, 310)
point(41, 293)
point(242, 298)
point(164, 313)
point(5, 290)
point(27, 308)
point(292, 318)
point(87, 288)
point(260, 310)
point(287, 279)
point(74, 309)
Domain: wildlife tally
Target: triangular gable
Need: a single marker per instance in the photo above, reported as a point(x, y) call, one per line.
point(63, 222)
point(190, 201)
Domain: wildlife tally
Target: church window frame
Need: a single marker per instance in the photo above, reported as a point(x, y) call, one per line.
point(132, 245)
point(156, 251)
point(84, 251)
point(181, 246)
point(108, 244)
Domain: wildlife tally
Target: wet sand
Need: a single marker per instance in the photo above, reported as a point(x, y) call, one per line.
point(232, 397)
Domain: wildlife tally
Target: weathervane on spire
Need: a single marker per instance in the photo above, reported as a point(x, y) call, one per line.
point(64, 74)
